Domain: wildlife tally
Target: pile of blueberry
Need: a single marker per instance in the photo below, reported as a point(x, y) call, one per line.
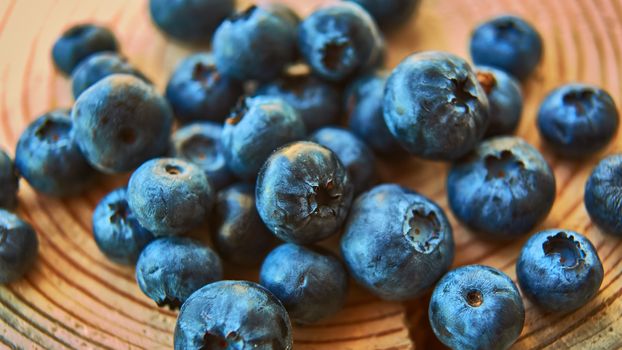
point(257, 157)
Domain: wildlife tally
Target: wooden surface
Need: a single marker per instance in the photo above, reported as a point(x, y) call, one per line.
point(75, 298)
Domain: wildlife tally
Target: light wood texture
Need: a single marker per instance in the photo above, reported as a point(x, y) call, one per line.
point(75, 298)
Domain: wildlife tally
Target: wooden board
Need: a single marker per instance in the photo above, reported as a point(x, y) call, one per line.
point(75, 298)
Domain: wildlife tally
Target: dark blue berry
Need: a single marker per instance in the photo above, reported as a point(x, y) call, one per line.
point(115, 228)
point(18, 247)
point(434, 106)
point(355, 156)
point(238, 233)
point(169, 196)
point(233, 315)
point(602, 192)
point(363, 105)
point(397, 243)
point(120, 122)
point(190, 21)
point(257, 127)
point(339, 40)
point(303, 193)
point(504, 98)
point(170, 269)
point(317, 102)
point(577, 120)
point(256, 44)
point(501, 190)
point(559, 270)
point(49, 158)
point(312, 288)
point(508, 43)
point(98, 66)
point(476, 307)
point(9, 182)
point(199, 143)
point(390, 14)
point(79, 42)
point(197, 91)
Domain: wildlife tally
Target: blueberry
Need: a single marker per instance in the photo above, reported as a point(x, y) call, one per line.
point(501, 190)
point(98, 66)
point(303, 193)
point(79, 42)
point(602, 191)
point(9, 182)
point(339, 40)
point(363, 105)
point(49, 158)
point(190, 21)
point(397, 243)
point(199, 143)
point(255, 128)
point(169, 196)
point(476, 307)
point(313, 288)
point(434, 106)
point(390, 14)
point(559, 270)
point(508, 43)
point(120, 122)
point(238, 233)
point(233, 315)
point(170, 269)
point(317, 102)
point(577, 120)
point(117, 231)
point(197, 91)
point(18, 247)
point(504, 98)
point(355, 156)
point(256, 44)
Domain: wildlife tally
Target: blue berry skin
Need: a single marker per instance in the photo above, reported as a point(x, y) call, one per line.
point(98, 66)
point(501, 190)
point(577, 120)
point(339, 40)
point(120, 122)
point(559, 270)
point(303, 193)
point(508, 43)
point(78, 43)
point(397, 243)
point(190, 21)
point(256, 44)
point(434, 106)
point(169, 196)
point(476, 307)
point(199, 143)
point(389, 14)
point(505, 100)
point(18, 247)
point(9, 182)
point(257, 127)
point(170, 269)
point(355, 156)
point(233, 315)
point(602, 190)
point(317, 102)
point(197, 91)
point(238, 233)
point(117, 231)
point(313, 288)
point(49, 158)
point(363, 105)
